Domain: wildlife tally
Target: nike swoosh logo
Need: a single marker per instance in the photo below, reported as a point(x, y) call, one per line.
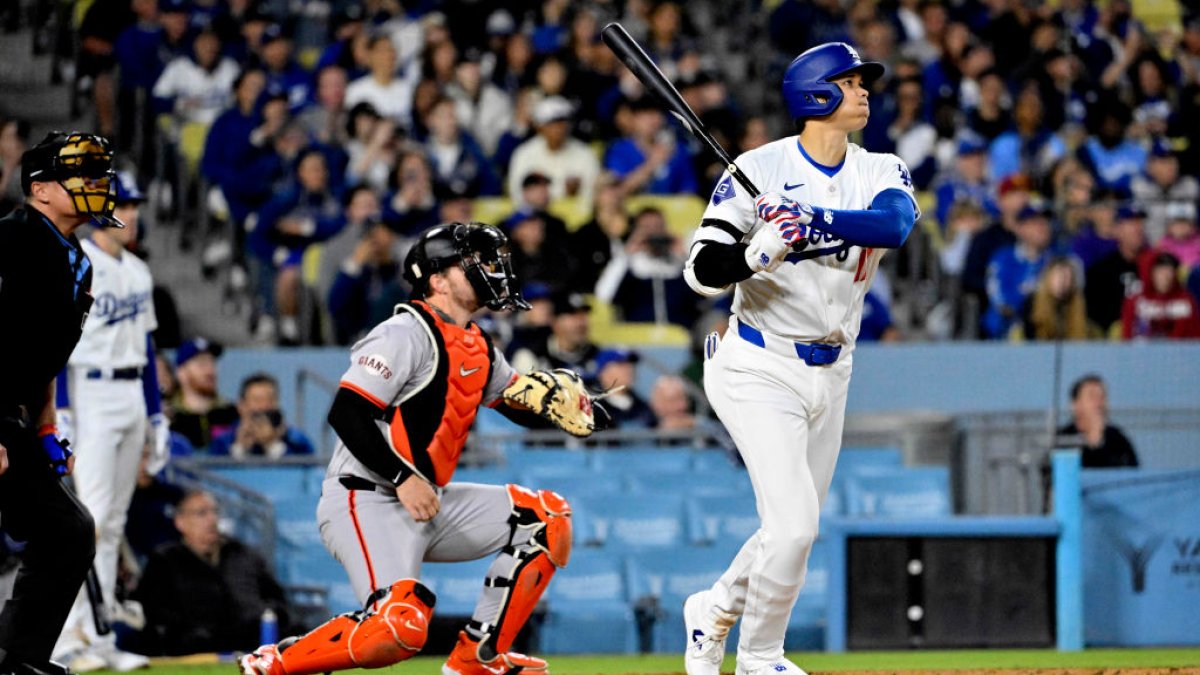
point(465, 373)
point(787, 186)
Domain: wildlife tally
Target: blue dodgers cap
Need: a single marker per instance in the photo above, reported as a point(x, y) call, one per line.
point(615, 355)
point(174, 6)
point(191, 348)
point(1130, 211)
point(1161, 147)
point(969, 144)
point(1035, 210)
point(128, 190)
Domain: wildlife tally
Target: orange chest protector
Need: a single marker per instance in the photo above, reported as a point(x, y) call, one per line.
point(429, 427)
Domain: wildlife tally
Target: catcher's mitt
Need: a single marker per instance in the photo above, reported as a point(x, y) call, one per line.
point(557, 395)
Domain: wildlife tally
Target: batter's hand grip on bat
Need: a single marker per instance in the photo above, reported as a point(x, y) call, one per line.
point(635, 58)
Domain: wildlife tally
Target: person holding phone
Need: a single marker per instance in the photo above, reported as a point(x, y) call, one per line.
point(261, 430)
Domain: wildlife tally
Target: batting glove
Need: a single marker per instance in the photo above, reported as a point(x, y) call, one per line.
point(775, 208)
point(64, 421)
point(56, 449)
point(767, 249)
point(160, 444)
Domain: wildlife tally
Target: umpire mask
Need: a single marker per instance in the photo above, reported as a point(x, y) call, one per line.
point(83, 165)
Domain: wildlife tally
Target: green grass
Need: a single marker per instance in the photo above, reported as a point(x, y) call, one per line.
point(811, 661)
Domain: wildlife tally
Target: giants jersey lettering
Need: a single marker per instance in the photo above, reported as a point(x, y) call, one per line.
point(114, 335)
point(817, 294)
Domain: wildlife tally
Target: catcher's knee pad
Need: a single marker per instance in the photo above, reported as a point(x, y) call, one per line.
point(540, 543)
point(391, 628)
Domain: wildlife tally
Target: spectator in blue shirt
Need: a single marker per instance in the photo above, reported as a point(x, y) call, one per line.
point(459, 163)
point(305, 212)
point(1014, 270)
point(283, 73)
point(968, 182)
point(1029, 147)
point(1113, 159)
point(650, 159)
point(261, 430)
point(368, 285)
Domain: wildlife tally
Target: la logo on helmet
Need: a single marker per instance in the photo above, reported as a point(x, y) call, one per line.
point(852, 51)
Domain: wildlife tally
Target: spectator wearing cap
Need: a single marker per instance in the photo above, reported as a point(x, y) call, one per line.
point(483, 109)
point(1111, 157)
point(566, 346)
point(200, 412)
point(1029, 147)
point(644, 280)
point(1163, 309)
point(538, 252)
point(283, 73)
point(459, 164)
point(389, 94)
point(650, 158)
point(1182, 238)
point(1013, 196)
point(568, 162)
point(368, 284)
point(1161, 188)
point(1014, 270)
point(1095, 234)
point(628, 410)
point(1117, 276)
point(307, 211)
point(197, 87)
point(967, 182)
point(535, 198)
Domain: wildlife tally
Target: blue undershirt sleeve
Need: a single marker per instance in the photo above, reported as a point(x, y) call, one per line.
point(886, 224)
point(150, 380)
point(62, 397)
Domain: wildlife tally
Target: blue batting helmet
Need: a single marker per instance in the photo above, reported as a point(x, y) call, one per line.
point(809, 78)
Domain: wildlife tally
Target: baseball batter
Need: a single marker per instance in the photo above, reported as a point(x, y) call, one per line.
point(402, 414)
point(801, 257)
point(108, 399)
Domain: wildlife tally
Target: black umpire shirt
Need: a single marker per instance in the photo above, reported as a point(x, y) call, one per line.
point(45, 294)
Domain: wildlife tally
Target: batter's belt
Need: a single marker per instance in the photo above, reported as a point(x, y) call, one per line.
point(812, 353)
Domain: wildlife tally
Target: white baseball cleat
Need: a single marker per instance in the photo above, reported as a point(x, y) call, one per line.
point(705, 641)
point(780, 667)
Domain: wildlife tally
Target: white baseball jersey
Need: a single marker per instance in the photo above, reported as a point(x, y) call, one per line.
point(816, 295)
point(114, 335)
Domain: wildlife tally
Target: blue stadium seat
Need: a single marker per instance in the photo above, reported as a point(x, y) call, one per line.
point(315, 566)
point(457, 585)
point(806, 627)
point(853, 458)
point(644, 522)
point(716, 461)
point(692, 483)
point(548, 462)
point(664, 579)
point(296, 521)
point(716, 521)
point(273, 482)
point(588, 609)
point(640, 460)
point(918, 492)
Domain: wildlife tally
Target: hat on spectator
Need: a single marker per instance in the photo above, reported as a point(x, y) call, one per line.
point(615, 355)
point(536, 290)
point(1130, 211)
point(570, 303)
point(1016, 181)
point(1035, 209)
point(1165, 258)
point(1161, 147)
point(128, 191)
point(969, 144)
point(1177, 211)
point(194, 347)
point(500, 22)
point(552, 109)
point(534, 178)
point(272, 33)
point(174, 6)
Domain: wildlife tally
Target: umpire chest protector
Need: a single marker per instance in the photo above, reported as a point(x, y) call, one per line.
point(429, 426)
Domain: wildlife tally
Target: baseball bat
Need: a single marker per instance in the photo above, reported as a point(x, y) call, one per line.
point(96, 600)
point(634, 57)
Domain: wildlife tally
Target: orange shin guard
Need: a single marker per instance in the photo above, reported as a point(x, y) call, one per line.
point(392, 632)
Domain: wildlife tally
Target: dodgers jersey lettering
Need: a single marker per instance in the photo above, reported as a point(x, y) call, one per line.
point(817, 294)
point(114, 335)
point(394, 361)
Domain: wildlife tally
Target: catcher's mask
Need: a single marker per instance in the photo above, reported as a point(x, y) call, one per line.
point(83, 165)
point(482, 252)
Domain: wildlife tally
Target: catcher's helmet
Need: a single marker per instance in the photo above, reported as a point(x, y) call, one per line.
point(809, 78)
point(82, 164)
point(482, 252)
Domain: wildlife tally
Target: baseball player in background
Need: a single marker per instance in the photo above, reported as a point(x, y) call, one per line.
point(801, 258)
point(108, 403)
point(402, 414)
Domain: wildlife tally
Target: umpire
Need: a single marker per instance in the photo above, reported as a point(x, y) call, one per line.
point(45, 285)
